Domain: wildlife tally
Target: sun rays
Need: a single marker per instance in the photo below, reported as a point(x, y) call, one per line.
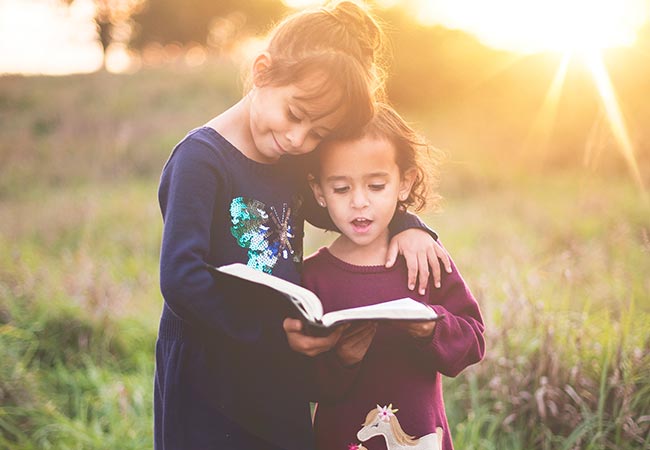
point(578, 29)
point(594, 62)
point(539, 25)
point(542, 127)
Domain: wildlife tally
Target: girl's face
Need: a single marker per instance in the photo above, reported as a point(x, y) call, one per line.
point(360, 184)
point(282, 122)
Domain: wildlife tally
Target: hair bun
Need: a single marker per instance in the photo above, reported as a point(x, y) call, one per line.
point(362, 25)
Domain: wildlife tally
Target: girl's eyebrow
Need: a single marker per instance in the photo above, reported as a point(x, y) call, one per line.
point(377, 174)
point(370, 175)
point(336, 178)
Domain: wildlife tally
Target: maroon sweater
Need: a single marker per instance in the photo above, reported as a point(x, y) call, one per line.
point(398, 369)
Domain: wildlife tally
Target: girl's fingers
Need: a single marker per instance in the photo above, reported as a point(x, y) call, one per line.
point(309, 345)
point(432, 260)
point(412, 267)
point(292, 325)
point(423, 267)
point(393, 251)
point(442, 254)
point(358, 330)
point(357, 343)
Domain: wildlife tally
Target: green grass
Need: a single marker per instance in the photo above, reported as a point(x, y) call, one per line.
point(558, 260)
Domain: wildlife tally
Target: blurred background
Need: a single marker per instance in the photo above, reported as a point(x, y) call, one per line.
point(541, 108)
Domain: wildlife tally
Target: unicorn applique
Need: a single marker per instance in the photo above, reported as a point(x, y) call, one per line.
point(383, 421)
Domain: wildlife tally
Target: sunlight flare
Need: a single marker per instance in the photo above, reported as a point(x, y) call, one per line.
point(543, 125)
point(299, 4)
point(47, 37)
point(594, 62)
point(540, 25)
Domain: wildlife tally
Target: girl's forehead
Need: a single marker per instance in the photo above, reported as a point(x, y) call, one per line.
point(366, 143)
point(366, 151)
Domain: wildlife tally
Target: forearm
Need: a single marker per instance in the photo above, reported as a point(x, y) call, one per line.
point(457, 340)
point(405, 220)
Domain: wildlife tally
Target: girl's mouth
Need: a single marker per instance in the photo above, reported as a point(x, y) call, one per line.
point(361, 225)
point(280, 149)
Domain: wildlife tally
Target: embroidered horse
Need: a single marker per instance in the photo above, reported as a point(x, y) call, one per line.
point(382, 421)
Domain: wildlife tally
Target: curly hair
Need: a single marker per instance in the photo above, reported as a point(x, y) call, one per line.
point(412, 151)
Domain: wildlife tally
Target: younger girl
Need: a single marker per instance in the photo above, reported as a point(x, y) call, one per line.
point(363, 182)
point(228, 375)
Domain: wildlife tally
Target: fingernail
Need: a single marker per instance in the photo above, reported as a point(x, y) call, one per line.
point(437, 284)
point(448, 269)
point(422, 291)
point(411, 287)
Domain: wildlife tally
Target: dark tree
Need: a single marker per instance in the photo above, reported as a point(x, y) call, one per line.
point(168, 21)
point(109, 16)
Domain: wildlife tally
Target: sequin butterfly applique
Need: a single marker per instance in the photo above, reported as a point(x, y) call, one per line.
point(266, 234)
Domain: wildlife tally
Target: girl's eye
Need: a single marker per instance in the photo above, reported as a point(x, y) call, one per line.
point(377, 187)
point(292, 117)
point(341, 190)
point(317, 136)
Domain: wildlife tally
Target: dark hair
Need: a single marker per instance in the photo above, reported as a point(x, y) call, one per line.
point(412, 151)
point(343, 45)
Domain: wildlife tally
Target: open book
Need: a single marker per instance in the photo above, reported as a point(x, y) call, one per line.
point(310, 308)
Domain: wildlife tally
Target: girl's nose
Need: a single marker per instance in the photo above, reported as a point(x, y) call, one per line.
point(297, 136)
point(359, 199)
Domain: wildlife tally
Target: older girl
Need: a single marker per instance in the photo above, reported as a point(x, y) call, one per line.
point(228, 375)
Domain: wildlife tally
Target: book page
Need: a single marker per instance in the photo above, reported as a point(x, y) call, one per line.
point(401, 309)
point(304, 299)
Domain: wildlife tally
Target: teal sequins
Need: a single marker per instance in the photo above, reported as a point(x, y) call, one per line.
point(266, 233)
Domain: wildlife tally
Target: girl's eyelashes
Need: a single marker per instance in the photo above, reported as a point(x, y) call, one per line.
point(292, 117)
point(371, 187)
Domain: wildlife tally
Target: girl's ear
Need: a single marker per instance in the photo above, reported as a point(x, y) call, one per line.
point(318, 192)
point(406, 183)
point(261, 65)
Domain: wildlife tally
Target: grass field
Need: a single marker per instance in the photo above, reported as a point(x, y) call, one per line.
point(558, 259)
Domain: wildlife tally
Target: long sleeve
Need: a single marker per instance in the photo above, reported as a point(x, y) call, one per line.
point(191, 185)
point(405, 220)
point(457, 340)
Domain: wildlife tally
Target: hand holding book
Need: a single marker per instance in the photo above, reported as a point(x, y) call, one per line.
point(355, 341)
point(309, 344)
point(419, 329)
point(309, 306)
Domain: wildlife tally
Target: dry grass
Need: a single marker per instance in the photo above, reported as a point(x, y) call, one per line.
point(558, 260)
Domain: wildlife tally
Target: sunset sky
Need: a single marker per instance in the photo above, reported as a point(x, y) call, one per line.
point(41, 36)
